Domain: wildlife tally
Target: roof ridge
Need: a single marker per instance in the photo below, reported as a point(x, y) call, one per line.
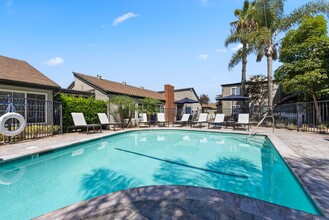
point(120, 88)
point(115, 82)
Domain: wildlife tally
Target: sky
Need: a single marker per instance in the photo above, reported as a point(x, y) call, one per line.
point(146, 43)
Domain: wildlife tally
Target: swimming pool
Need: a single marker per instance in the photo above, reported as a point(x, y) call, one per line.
point(39, 184)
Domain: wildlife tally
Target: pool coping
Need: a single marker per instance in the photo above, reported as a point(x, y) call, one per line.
point(318, 192)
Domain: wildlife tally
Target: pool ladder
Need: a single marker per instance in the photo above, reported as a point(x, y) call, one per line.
point(261, 121)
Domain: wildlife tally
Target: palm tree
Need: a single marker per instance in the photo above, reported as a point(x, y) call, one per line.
point(272, 21)
point(240, 31)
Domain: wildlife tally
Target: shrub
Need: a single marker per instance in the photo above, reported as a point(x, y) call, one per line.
point(88, 106)
point(280, 125)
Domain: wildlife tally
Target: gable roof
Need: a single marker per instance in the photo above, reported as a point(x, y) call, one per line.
point(118, 88)
point(20, 72)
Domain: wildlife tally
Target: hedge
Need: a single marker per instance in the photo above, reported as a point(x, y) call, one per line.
point(88, 106)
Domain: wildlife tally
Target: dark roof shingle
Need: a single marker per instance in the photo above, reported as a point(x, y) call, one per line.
point(120, 88)
point(19, 71)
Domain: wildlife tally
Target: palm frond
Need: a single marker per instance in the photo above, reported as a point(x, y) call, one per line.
point(235, 59)
point(310, 8)
point(260, 55)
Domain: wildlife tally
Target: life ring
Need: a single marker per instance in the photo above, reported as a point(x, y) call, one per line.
point(10, 115)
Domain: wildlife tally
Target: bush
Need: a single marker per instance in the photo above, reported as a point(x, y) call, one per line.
point(88, 106)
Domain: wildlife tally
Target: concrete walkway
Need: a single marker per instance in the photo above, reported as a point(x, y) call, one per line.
point(306, 153)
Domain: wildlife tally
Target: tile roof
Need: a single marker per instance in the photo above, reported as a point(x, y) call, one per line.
point(19, 71)
point(120, 88)
point(210, 105)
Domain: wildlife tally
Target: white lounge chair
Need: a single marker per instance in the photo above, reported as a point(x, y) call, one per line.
point(80, 122)
point(143, 121)
point(243, 119)
point(184, 120)
point(219, 120)
point(203, 118)
point(105, 121)
point(161, 119)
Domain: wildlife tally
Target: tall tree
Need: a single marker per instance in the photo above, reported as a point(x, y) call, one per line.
point(240, 31)
point(305, 58)
point(257, 89)
point(272, 21)
point(204, 99)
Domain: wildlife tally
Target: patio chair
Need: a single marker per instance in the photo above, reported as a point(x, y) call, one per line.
point(143, 121)
point(219, 120)
point(105, 121)
point(202, 119)
point(243, 119)
point(184, 120)
point(161, 119)
point(80, 122)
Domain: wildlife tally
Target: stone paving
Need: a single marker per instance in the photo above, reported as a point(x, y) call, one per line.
point(306, 153)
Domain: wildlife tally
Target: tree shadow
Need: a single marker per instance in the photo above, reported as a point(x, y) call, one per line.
point(245, 178)
point(103, 181)
point(175, 172)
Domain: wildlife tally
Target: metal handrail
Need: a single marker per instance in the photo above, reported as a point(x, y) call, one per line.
point(261, 121)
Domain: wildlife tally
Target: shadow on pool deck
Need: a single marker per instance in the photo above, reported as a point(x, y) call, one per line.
point(175, 202)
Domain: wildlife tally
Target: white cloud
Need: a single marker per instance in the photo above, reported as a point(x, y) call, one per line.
point(123, 18)
point(55, 61)
point(222, 50)
point(237, 47)
point(203, 56)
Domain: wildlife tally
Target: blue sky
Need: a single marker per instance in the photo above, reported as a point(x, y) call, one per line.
point(145, 43)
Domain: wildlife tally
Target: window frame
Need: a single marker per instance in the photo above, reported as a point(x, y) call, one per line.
point(12, 91)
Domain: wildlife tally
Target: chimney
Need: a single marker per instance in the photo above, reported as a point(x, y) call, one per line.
point(124, 83)
point(170, 102)
point(99, 76)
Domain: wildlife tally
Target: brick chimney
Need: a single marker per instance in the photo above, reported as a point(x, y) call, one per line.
point(170, 102)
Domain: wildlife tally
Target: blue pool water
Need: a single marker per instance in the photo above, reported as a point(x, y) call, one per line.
point(34, 186)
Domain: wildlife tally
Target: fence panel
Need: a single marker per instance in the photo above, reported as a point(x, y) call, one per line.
point(302, 116)
point(43, 117)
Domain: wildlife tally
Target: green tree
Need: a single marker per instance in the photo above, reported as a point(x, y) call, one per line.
point(149, 106)
point(204, 99)
point(125, 106)
point(257, 89)
point(272, 21)
point(240, 33)
point(305, 58)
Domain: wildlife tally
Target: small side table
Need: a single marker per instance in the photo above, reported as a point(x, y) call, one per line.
point(230, 123)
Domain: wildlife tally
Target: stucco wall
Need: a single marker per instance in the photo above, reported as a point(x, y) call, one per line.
point(227, 105)
point(189, 94)
point(49, 93)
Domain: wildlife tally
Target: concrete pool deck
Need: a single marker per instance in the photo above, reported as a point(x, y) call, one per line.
point(306, 153)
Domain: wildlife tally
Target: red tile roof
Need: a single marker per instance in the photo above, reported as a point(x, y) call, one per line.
point(18, 71)
point(210, 105)
point(119, 88)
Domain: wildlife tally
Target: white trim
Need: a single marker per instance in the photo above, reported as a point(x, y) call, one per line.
point(237, 88)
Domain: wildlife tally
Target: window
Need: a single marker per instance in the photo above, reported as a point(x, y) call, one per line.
point(235, 90)
point(36, 108)
point(31, 106)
